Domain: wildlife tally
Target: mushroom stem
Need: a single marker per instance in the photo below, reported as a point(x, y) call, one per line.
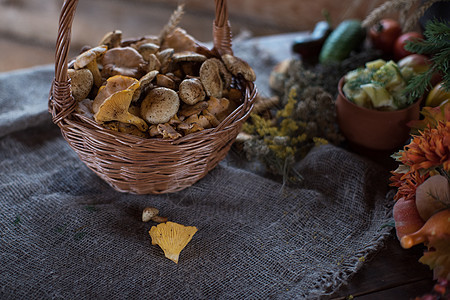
point(93, 67)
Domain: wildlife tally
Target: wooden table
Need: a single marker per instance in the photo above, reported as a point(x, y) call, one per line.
point(393, 273)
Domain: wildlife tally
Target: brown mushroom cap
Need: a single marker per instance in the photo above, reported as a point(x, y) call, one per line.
point(88, 60)
point(226, 75)
point(188, 56)
point(165, 81)
point(153, 130)
point(146, 49)
point(167, 131)
point(238, 66)
point(136, 42)
point(201, 121)
point(84, 107)
point(211, 79)
point(191, 91)
point(88, 56)
point(189, 110)
point(153, 63)
point(81, 82)
point(187, 63)
point(122, 61)
point(148, 213)
point(147, 78)
point(174, 120)
point(112, 39)
point(145, 40)
point(211, 118)
point(165, 58)
point(218, 107)
point(160, 105)
point(234, 95)
point(144, 83)
point(180, 40)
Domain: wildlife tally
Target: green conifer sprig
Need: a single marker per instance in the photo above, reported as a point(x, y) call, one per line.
point(437, 46)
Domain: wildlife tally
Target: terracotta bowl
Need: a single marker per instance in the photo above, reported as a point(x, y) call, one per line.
point(373, 129)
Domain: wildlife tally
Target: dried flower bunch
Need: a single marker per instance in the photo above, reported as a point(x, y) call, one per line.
point(164, 86)
point(422, 208)
point(304, 118)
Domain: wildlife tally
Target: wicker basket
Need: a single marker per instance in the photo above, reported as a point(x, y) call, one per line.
point(139, 165)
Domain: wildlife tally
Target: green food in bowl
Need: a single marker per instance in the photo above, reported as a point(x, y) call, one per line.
point(380, 85)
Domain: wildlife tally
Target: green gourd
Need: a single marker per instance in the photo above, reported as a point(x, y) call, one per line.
point(347, 36)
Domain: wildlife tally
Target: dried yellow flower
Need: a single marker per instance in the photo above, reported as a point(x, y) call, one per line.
point(318, 141)
point(172, 238)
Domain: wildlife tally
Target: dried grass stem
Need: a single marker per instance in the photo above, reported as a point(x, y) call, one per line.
point(409, 12)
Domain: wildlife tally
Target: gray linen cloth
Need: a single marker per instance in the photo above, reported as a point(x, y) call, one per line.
point(66, 234)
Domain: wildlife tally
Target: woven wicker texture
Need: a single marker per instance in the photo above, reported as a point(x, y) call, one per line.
point(133, 164)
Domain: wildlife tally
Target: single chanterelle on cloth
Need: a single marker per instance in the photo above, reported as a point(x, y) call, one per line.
point(172, 238)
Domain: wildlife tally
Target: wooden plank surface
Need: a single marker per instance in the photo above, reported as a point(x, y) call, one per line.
point(28, 29)
point(25, 24)
point(393, 273)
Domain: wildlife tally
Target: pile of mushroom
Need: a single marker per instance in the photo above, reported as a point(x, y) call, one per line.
point(156, 88)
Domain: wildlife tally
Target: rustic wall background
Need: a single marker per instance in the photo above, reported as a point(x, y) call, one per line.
point(28, 29)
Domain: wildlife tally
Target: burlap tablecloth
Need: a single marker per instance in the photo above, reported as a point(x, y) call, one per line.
point(66, 234)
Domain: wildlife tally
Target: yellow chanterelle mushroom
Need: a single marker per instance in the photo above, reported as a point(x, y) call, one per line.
point(172, 238)
point(113, 101)
point(113, 85)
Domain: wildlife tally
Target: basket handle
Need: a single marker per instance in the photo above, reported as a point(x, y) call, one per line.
point(61, 103)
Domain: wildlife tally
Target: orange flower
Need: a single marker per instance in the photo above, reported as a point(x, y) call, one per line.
point(407, 184)
point(429, 149)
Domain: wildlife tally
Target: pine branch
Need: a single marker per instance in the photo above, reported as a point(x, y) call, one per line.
point(436, 45)
point(437, 30)
point(421, 47)
point(419, 84)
